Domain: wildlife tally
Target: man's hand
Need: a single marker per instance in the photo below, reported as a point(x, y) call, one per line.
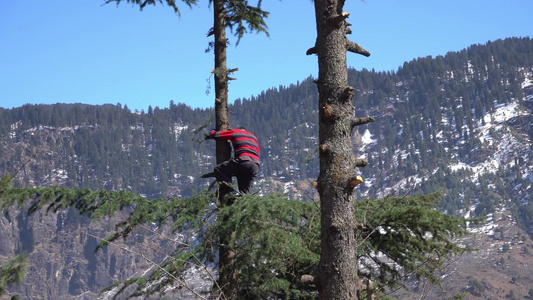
point(208, 136)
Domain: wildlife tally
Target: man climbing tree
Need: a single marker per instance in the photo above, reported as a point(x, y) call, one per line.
point(232, 14)
point(337, 271)
point(240, 17)
point(245, 163)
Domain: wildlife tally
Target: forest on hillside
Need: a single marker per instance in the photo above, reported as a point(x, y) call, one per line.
point(428, 116)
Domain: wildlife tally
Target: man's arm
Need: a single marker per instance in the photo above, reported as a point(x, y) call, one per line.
point(220, 135)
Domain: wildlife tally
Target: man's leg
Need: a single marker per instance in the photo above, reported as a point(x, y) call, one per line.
point(245, 178)
point(224, 171)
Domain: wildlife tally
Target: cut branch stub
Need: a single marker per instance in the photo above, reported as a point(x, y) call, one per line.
point(361, 121)
point(356, 181)
point(360, 226)
point(311, 50)
point(327, 111)
point(323, 148)
point(356, 48)
point(307, 280)
point(219, 72)
point(337, 20)
point(315, 184)
point(361, 163)
point(233, 70)
point(348, 94)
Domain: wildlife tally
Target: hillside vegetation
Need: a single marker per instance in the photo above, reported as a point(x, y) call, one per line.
point(461, 123)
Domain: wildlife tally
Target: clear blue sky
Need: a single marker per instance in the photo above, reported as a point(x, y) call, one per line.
point(82, 51)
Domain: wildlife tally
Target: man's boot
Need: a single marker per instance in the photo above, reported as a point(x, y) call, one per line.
point(207, 175)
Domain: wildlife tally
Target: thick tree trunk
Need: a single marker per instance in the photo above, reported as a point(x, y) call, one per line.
point(337, 273)
point(227, 272)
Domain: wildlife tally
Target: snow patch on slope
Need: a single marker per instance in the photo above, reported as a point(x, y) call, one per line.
point(367, 138)
point(496, 134)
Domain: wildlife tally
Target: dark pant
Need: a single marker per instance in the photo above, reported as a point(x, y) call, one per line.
point(245, 171)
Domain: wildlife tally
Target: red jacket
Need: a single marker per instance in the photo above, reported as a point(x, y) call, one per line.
point(245, 144)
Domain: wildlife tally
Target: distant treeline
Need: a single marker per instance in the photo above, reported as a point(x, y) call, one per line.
point(426, 116)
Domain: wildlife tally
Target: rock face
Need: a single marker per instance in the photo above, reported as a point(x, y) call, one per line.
point(63, 261)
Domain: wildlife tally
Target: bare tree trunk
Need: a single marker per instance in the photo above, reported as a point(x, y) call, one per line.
point(227, 272)
point(221, 80)
point(337, 273)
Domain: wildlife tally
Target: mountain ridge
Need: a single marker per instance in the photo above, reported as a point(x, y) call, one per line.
point(439, 122)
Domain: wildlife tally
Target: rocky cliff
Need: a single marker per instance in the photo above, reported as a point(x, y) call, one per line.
point(63, 261)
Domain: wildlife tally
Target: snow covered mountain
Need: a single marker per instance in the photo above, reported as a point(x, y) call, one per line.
point(461, 123)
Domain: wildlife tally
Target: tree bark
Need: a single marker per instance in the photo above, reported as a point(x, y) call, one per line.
point(337, 272)
point(227, 276)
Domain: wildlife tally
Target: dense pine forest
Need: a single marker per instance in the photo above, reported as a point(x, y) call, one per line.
point(429, 113)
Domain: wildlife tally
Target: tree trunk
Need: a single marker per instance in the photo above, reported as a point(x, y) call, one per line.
point(337, 273)
point(227, 276)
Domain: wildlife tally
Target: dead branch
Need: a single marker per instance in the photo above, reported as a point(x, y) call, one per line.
point(361, 121)
point(360, 163)
point(311, 50)
point(356, 48)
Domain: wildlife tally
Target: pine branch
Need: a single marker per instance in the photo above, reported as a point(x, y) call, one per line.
point(143, 3)
point(12, 272)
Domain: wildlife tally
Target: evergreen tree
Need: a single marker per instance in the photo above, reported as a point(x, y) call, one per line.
point(234, 15)
point(278, 239)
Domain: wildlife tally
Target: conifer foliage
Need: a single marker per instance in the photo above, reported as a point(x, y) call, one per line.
point(12, 273)
point(403, 237)
point(277, 241)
